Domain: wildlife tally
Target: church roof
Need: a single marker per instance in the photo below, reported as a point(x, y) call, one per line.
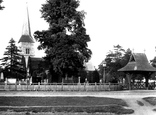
point(138, 62)
point(26, 38)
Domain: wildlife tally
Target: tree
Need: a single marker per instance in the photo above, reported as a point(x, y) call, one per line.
point(126, 57)
point(153, 63)
point(65, 42)
point(115, 60)
point(1, 7)
point(13, 62)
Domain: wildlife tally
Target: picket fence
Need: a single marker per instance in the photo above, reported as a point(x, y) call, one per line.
point(62, 87)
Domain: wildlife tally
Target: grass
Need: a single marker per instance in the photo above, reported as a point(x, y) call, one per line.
point(59, 101)
point(102, 109)
point(64, 104)
point(140, 103)
point(151, 100)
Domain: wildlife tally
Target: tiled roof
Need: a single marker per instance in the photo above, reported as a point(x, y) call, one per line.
point(138, 62)
point(26, 38)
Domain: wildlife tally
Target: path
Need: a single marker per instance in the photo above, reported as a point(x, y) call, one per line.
point(146, 109)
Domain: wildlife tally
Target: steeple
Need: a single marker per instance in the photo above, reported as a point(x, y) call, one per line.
point(26, 30)
point(26, 41)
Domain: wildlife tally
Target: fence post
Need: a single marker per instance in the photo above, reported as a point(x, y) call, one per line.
point(27, 86)
point(78, 86)
point(117, 87)
point(38, 86)
point(109, 86)
point(95, 86)
point(34, 87)
point(62, 86)
point(73, 86)
point(84, 87)
point(154, 85)
point(5, 87)
point(45, 86)
point(87, 88)
point(15, 86)
point(56, 87)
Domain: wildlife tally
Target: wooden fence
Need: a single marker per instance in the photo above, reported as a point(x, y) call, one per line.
point(61, 87)
point(73, 87)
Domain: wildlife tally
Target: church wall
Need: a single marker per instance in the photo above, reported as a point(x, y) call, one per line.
point(30, 46)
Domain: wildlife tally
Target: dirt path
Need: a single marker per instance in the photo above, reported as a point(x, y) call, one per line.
point(145, 109)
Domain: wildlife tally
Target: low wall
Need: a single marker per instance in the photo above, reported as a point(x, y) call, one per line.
point(61, 87)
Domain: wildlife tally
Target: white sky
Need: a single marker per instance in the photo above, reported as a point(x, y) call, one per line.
point(129, 23)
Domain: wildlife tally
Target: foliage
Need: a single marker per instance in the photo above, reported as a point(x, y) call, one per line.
point(153, 62)
point(13, 62)
point(115, 60)
point(1, 7)
point(65, 42)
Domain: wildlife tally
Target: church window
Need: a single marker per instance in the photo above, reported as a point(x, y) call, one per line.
point(27, 51)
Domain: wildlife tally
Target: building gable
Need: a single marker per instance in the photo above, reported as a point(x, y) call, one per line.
point(138, 62)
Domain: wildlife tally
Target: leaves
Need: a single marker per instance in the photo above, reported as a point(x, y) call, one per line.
point(115, 60)
point(65, 42)
point(13, 61)
point(1, 7)
point(153, 62)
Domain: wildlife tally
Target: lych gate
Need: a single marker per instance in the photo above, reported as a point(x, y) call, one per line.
point(138, 64)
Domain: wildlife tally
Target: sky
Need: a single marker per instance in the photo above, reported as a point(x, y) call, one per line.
point(129, 23)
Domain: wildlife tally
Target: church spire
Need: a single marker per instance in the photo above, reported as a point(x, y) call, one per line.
point(28, 25)
point(26, 30)
point(26, 40)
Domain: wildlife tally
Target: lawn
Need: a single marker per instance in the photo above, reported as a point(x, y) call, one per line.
point(64, 104)
point(151, 100)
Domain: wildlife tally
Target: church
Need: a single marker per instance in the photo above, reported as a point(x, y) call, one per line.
point(27, 46)
point(37, 70)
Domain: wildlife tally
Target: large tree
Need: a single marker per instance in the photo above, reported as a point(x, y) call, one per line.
point(13, 62)
point(65, 42)
point(1, 7)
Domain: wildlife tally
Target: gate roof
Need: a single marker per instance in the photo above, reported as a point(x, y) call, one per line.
point(138, 62)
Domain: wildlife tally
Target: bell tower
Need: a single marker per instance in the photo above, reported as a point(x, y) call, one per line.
point(26, 40)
